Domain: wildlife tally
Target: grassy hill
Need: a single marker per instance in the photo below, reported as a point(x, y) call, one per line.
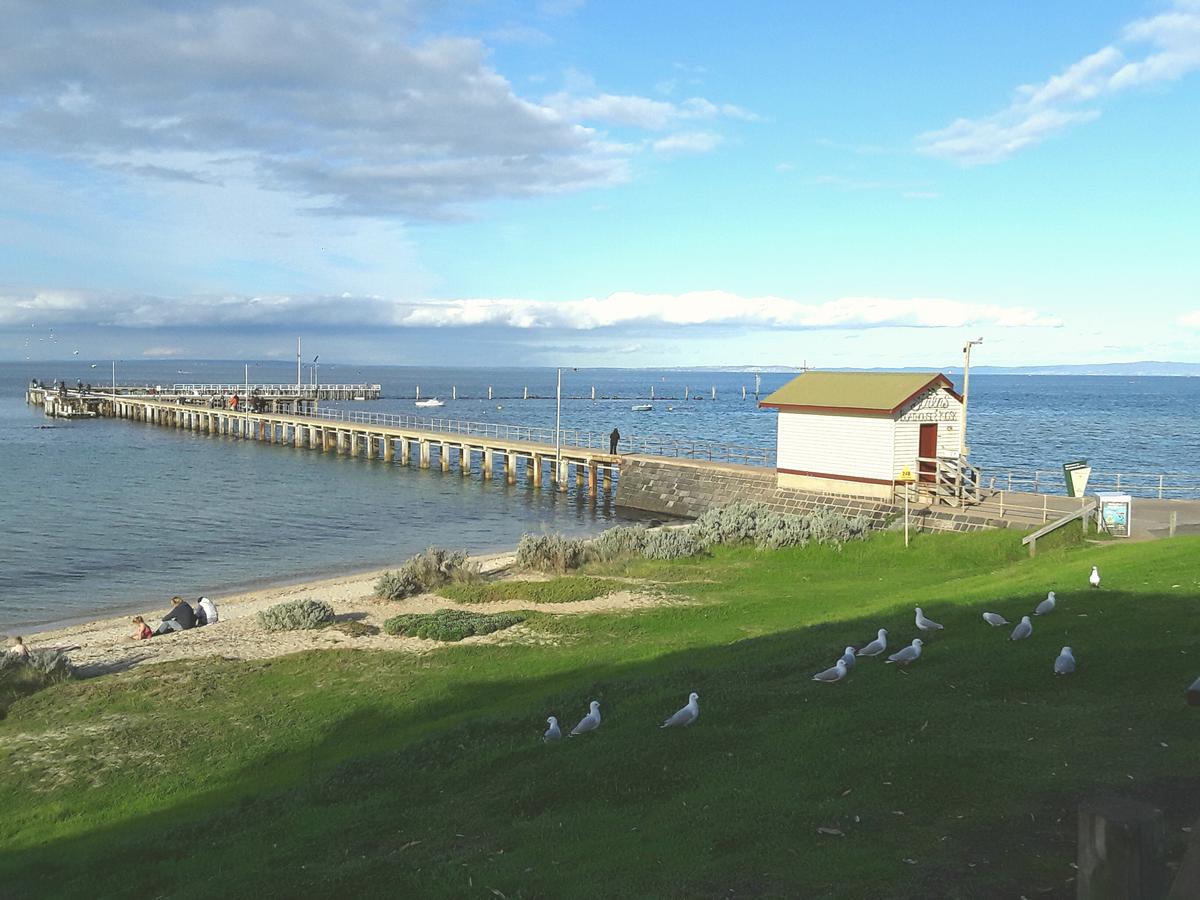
point(384, 774)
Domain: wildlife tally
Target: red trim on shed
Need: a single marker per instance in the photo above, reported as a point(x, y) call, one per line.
point(856, 478)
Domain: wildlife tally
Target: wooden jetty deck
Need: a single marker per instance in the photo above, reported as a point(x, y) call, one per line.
point(376, 437)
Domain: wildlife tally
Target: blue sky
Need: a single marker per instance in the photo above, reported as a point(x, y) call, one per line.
point(587, 183)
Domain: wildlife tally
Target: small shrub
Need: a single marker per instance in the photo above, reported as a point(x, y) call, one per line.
point(296, 615)
point(450, 624)
point(673, 543)
point(556, 590)
point(425, 572)
point(730, 524)
point(619, 542)
point(744, 522)
point(553, 553)
point(22, 676)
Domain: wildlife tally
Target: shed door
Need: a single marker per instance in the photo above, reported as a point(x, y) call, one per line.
point(927, 449)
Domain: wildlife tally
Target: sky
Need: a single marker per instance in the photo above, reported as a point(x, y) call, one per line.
point(585, 183)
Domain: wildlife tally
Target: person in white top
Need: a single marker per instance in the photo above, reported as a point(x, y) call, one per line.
point(210, 611)
point(19, 649)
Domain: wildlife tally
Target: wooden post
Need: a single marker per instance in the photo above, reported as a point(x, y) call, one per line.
point(579, 476)
point(535, 471)
point(1033, 548)
point(464, 460)
point(608, 480)
point(486, 467)
point(297, 436)
point(560, 477)
point(425, 445)
point(444, 457)
point(405, 451)
point(1174, 520)
point(389, 449)
point(1121, 852)
point(591, 474)
point(511, 468)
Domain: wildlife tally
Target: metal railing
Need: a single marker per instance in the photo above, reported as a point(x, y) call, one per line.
point(1162, 485)
point(569, 437)
point(267, 389)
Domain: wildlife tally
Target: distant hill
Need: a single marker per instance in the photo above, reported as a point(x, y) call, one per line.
point(1126, 369)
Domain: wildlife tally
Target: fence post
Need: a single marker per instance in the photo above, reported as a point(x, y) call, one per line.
point(1045, 514)
point(1121, 852)
point(1173, 521)
point(1160, 486)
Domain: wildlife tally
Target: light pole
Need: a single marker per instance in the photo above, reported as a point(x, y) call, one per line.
point(559, 481)
point(962, 429)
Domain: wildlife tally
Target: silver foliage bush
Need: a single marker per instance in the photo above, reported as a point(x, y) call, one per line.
point(623, 540)
point(296, 615)
point(426, 571)
point(52, 664)
point(743, 522)
point(553, 553)
point(673, 543)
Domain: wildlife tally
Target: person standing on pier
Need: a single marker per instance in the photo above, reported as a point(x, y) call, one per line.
point(612, 441)
point(233, 402)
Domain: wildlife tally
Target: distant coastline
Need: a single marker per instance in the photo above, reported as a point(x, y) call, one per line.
point(1146, 368)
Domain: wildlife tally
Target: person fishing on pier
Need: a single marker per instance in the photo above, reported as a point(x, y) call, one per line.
point(612, 441)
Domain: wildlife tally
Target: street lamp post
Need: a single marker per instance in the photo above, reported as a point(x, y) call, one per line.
point(963, 450)
point(558, 480)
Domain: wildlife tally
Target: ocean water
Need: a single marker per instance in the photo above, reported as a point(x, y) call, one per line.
point(102, 515)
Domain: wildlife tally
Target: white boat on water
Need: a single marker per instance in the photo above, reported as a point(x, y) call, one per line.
point(431, 402)
point(641, 407)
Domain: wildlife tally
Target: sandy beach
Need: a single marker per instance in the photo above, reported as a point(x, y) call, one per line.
point(105, 645)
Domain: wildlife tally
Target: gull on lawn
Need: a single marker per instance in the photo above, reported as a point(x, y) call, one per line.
point(1094, 578)
point(834, 673)
point(553, 733)
point(590, 722)
point(908, 654)
point(876, 646)
point(994, 619)
point(686, 716)
point(1065, 664)
point(849, 658)
point(1047, 605)
point(926, 624)
point(1023, 630)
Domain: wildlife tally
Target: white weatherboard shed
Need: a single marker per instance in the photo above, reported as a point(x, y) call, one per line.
point(855, 432)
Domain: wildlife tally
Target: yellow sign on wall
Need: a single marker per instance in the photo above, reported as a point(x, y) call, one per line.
point(906, 474)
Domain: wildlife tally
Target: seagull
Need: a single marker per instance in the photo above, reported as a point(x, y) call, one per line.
point(927, 624)
point(687, 715)
point(876, 646)
point(1046, 606)
point(1094, 578)
point(553, 733)
point(908, 654)
point(833, 674)
point(1023, 630)
point(848, 658)
point(1065, 664)
point(994, 619)
point(590, 722)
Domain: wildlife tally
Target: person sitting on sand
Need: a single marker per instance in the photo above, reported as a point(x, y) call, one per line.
point(18, 648)
point(143, 630)
point(180, 618)
point(206, 611)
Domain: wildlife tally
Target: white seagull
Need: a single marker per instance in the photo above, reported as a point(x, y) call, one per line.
point(994, 619)
point(1023, 630)
point(1065, 664)
point(927, 624)
point(849, 658)
point(553, 733)
point(876, 646)
point(835, 673)
point(590, 722)
point(687, 715)
point(908, 654)
point(1094, 578)
point(1047, 605)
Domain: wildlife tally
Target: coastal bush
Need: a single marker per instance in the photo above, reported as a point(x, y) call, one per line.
point(619, 542)
point(744, 522)
point(450, 624)
point(425, 572)
point(22, 676)
point(296, 615)
point(557, 590)
point(553, 553)
point(673, 543)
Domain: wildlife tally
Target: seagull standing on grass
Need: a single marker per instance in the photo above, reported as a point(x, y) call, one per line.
point(1047, 605)
point(909, 654)
point(994, 619)
point(833, 674)
point(1065, 664)
point(927, 624)
point(876, 646)
point(848, 658)
point(685, 716)
point(590, 722)
point(553, 733)
point(1094, 578)
point(1023, 630)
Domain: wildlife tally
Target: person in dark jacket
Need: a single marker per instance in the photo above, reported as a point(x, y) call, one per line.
point(612, 441)
point(180, 618)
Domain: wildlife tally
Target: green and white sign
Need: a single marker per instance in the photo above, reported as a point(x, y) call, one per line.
point(1076, 474)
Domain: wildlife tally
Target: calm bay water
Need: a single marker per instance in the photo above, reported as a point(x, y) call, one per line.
point(102, 515)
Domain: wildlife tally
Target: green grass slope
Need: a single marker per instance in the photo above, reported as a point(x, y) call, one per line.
point(378, 774)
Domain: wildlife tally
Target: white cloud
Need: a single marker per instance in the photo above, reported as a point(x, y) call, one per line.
point(618, 310)
point(1164, 47)
point(162, 352)
point(1190, 320)
point(686, 142)
point(642, 112)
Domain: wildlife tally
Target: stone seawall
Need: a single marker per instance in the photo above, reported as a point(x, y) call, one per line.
point(686, 488)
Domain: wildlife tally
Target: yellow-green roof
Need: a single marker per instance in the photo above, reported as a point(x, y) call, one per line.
point(875, 392)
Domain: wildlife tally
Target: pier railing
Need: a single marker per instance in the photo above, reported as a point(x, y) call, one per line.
point(569, 437)
point(1161, 486)
point(290, 390)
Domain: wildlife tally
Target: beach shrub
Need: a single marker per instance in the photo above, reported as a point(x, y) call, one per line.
point(296, 615)
point(425, 572)
point(619, 542)
point(744, 522)
point(673, 543)
point(553, 553)
point(556, 590)
point(450, 624)
point(733, 523)
point(22, 676)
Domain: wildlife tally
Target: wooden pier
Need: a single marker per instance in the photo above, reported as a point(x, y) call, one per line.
point(357, 435)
